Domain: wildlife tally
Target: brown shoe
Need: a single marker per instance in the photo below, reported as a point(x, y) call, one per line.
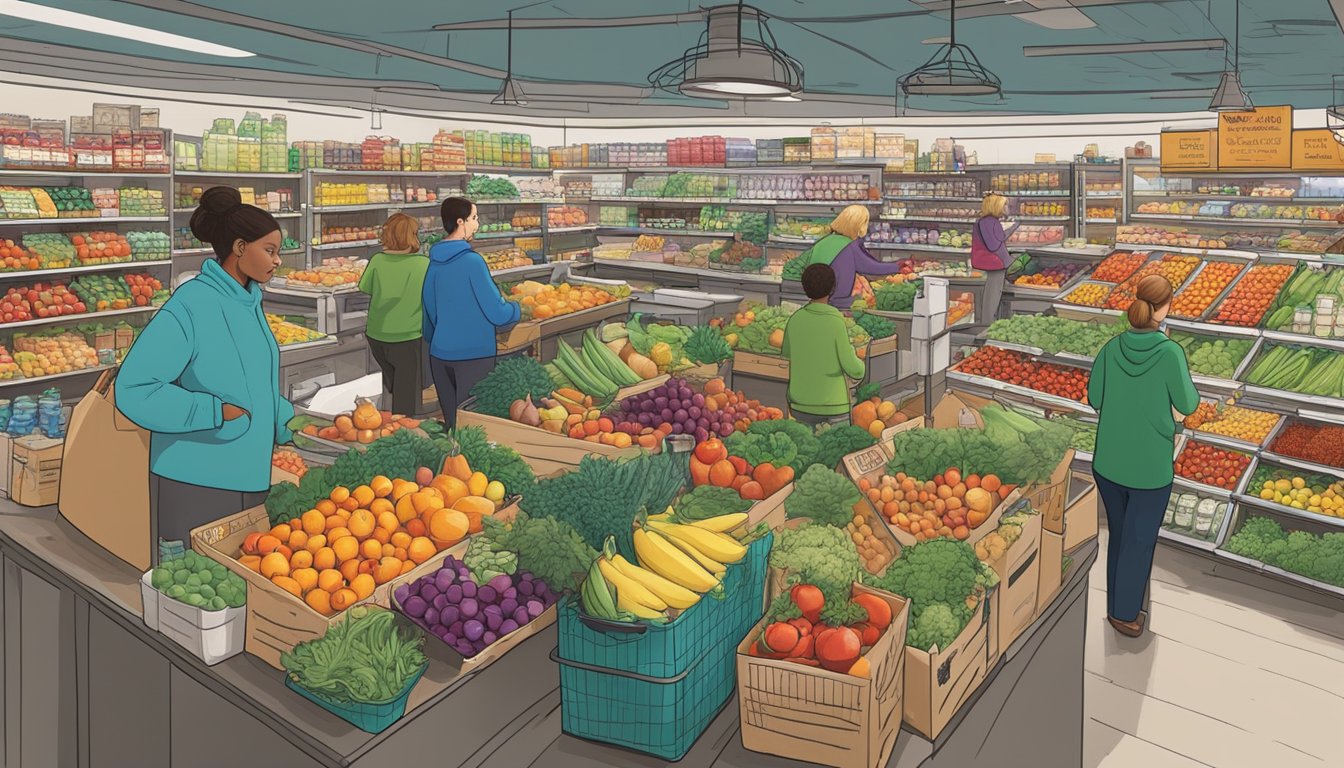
point(1126, 628)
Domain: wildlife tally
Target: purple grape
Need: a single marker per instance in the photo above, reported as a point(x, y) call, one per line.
point(725, 429)
point(540, 587)
point(677, 429)
point(415, 607)
point(693, 412)
point(489, 639)
point(508, 626)
point(508, 605)
point(487, 594)
point(493, 616)
point(501, 582)
point(432, 616)
point(510, 594)
point(440, 601)
point(521, 615)
point(466, 648)
point(698, 400)
point(456, 627)
point(535, 608)
point(680, 415)
point(685, 392)
point(527, 576)
point(648, 406)
point(674, 405)
point(690, 426)
point(403, 592)
point(701, 434)
point(660, 402)
point(428, 591)
point(450, 614)
point(469, 589)
point(473, 630)
point(525, 586)
point(454, 593)
point(646, 420)
point(446, 636)
point(444, 579)
point(469, 607)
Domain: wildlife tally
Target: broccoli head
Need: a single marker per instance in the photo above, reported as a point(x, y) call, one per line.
point(939, 571)
point(821, 555)
point(838, 442)
point(823, 495)
point(937, 626)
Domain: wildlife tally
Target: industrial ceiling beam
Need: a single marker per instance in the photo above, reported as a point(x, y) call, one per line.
point(1111, 49)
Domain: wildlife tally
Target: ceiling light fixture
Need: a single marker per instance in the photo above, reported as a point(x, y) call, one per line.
point(736, 57)
point(1334, 114)
point(510, 93)
point(1230, 96)
point(94, 24)
point(953, 70)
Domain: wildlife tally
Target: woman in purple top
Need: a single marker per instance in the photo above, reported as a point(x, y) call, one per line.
point(843, 252)
point(989, 254)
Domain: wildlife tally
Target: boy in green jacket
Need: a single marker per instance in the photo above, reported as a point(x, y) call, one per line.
point(1138, 378)
point(821, 359)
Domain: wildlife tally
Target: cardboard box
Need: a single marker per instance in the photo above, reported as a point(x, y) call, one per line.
point(830, 718)
point(35, 477)
point(1019, 583)
point(1051, 498)
point(6, 459)
point(938, 682)
point(1082, 519)
point(1052, 569)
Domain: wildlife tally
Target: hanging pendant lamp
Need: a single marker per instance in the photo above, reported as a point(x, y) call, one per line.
point(510, 93)
point(737, 57)
point(953, 70)
point(1230, 96)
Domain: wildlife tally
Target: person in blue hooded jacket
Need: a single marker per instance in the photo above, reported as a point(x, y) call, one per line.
point(204, 376)
point(463, 308)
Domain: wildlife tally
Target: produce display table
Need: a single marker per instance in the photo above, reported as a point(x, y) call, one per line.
point(99, 688)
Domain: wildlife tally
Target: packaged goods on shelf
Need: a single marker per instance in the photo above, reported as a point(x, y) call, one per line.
point(886, 232)
point(538, 188)
point(331, 273)
point(1028, 181)
point(577, 189)
point(1039, 208)
point(53, 249)
point(797, 150)
point(1034, 235)
point(769, 151)
point(1294, 241)
point(507, 258)
point(930, 212)
point(1195, 514)
point(697, 151)
point(380, 153)
point(566, 216)
point(497, 149)
point(619, 216)
point(801, 227)
point(139, 201)
point(934, 188)
point(350, 234)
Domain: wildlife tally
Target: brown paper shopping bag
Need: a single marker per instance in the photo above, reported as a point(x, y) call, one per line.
point(105, 476)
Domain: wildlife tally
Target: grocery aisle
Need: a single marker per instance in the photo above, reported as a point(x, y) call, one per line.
point(1231, 676)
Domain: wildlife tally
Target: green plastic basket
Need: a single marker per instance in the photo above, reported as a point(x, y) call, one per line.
point(665, 651)
point(658, 716)
point(374, 717)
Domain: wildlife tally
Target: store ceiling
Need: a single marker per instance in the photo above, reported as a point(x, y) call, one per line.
point(574, 62)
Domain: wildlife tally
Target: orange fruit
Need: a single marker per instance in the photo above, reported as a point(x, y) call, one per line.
point(420, 550)
point(416, 528)
point(400, 553)
point(281, 532)
point(381, 507)
point(406, 567)
point(363, 586)
point(344, 598)
point(361, 523)
point(389, 550)
point(405, 509)
point(364, 495)
point(346, 549)
point(314, 522)
point(370, 550)
point(324, 558)
point(330, 580)
point(389, 568)
point(334, 521)
point(251, 562)
point(274, 564)
point(451, 489)
point(316, 543)
point(339, 494)
point(338, 533)
point(306, 577)
point(298, 540)
point(449, 525)
point(301, 559)
point(381, 535)
point(400, 539)
point(319, 601)
point(388, 521)
point(381, 486)
point(350, 504)
point(327, 507)
point(350, 569)
point(268, 544)
point(289, 585)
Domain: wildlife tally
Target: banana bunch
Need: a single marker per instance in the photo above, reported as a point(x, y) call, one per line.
point(678, 563)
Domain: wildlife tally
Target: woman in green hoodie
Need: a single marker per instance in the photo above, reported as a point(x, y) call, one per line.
point(203, 378)
point(1138, 378)
point(821, 359)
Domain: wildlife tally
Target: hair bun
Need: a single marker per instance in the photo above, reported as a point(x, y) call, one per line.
point(207, 221)
point(220, 199)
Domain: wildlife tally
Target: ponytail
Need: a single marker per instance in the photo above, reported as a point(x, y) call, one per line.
point(1152, 293)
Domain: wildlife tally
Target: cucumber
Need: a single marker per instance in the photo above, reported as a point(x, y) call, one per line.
point(618, 371)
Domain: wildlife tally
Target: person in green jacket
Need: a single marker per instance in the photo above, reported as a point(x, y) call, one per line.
point(203, 378)
point(394, 281)
point(1137, 380)
point(821, 359)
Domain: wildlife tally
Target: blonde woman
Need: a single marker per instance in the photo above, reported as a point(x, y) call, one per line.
point(842, 250)
point(394, 280)
point(989, 252)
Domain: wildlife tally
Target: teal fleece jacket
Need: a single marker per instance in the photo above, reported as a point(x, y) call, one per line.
point(209, 345)
point(1137, 379)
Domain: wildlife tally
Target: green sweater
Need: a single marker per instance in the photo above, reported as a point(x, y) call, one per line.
point(826, 249)
point(820, 358)
point(1137, 379)
point(394, 282)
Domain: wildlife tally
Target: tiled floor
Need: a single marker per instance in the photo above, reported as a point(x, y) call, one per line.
point(1229, 675)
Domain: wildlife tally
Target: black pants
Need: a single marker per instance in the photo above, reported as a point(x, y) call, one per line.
point(403, 374)
point(176, 508)
point(453, 380)
point(1133, 517)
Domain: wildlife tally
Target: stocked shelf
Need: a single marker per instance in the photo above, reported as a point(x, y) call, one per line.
point(24, 380)
point(109, 267)
point(236, 175)
point(351, 244)
point(85, 220)
point(48, 174)
point(371, 207)
point(1213, 220)
point(78, 318)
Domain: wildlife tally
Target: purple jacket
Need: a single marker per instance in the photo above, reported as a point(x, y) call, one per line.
point(855, 260)
point(989, 244)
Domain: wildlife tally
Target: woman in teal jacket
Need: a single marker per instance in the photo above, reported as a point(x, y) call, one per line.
point(204, 376)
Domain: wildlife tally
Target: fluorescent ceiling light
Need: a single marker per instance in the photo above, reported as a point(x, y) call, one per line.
point(786, 98)
point(736, 87)
point(85, 23)
point(1058, 18)
point(1119, 48)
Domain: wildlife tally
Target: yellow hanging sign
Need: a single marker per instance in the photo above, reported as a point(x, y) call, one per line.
point(1188, 150)
point(1260, 139)
point(1317, 150)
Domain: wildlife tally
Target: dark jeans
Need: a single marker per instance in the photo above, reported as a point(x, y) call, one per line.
point(176, 508)
point(403, 375)
point(1133, 518)
point(453, 380)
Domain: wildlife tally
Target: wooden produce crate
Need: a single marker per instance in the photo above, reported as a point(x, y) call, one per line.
point(533, 335)
point(277, 620)
point(548, 452)
point(939, 681)
point(813, 714)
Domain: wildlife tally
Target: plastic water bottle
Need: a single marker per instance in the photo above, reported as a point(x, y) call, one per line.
point(49, 413)
point(24, 418)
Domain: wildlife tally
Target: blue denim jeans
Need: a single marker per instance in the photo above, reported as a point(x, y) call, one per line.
point(1133, 517)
